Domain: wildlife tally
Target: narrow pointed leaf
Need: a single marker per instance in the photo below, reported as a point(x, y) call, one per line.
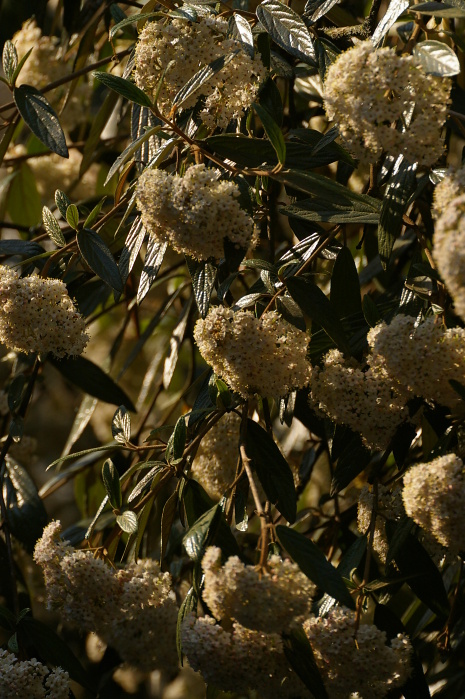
point(123, 87)
point(287, 30)
point(41, 118)
point(273, 131)
point(203, 275)
point(53, 227)
point(200, 78)
point(99, 258)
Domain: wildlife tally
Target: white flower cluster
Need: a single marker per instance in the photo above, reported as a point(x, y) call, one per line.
point(46, 64)
point(37, 315)
point(263, 355)
point(194, 213)
point(214, 466)
point(450, 187)
point(367, 401)
point(240, 659)
point(188, 47)
point(31, 679)
point(263, 601)
point(132, 609)
point(433, 496)
point(422, 359)
point(368, 90)
point(449, 251)
point(389, 506)
point(363, 667)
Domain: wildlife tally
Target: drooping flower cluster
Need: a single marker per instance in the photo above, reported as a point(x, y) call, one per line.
point(215, 463)
point(263, 355)
point(46, 64)
point(389, 507)
point(37, 315)
point(132, 609)
point(363, 667)
point(448, 250)
point(267, 602)
point(188, 47)
point(240, 659)
point(194, 213)
point(423, 359)
point(31, 679)
point(450, 187)
point(367, 401)
point(433, 496)
point(367, 91)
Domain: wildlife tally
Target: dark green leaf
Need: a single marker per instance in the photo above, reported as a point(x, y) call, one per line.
point(273, 131)
point(112, 484)
point(189, 604)
point(403, 530)
point(9, 60)
point(202, 531)
point(62, 201)
point(92, 380)
point(72, 216)
point(439, 9)
point(203, 275)
point(53, 649)
point(179, 438)
point(291, 312)
point(128, 522)
point(412, 560)
point(370, 311)
point(20, 65)
point(123, 87)
point(314, 303)
point(53, 227)
point(272, 469)
point(152, 263)
point(131, 20)
point(41, 118)
point(353, 459)
point(25, 513)
point(299, 653)
point(121, 425)
point(400, 187)
point(345, 287)
point(26, 248)
point(312, 562)
point(287, 30)
point(201, 77)
point(93, 216)
point(167, 518)
point(99, 258)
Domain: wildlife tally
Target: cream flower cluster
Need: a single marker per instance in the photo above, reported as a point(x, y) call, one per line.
point(423, 359)
point(37, 315)
point(194, 213)
point(368, 90)
point(433, 496)
point(449, 249)
point(189, 47)
point(366, 667)
point(266, 602)
point(366, 401)
point(263, 355)
point(240, 659)
point(389, 506)
point(215, 463)
point(46, 64)
point(450, 187)
point(133, 609)
point(31, 679)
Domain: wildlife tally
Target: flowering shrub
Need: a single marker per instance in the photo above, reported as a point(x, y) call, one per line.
point(232, 350)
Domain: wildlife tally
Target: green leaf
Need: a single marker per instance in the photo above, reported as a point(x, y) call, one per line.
point(53, 227)
point(370, 311)
point(323, 187)
point(152, 263)
point(24, 202)
point(439, 9)
point(179, 438)
point(63, 202)
point(72, 216)
point(345, 287)
point(240, 30)
point(312, 562)
point(112, 484)
point(99, 258)
point(314, 303)
point(189, 604)
point(273, 131)
point(272, 469)
point(123, 87)
point(319, 209)
point(128, 522)
point(53, 649)
point(393, 12)
point(413, 561)
point(92, 217)
point(121, 426)
point(202, 533)
point(437, 58)
point(130, 20)
point(92, 380)
point(25, 513)
point(41, 118)
point(167, 518)
point(287, 30)
point(400, 187)
point(131, 150)
point(20, 65)
point(26, 248)
point(131, 249)
point(9, 60)
point(201, 77)
point(299, 653)
point(203, 275)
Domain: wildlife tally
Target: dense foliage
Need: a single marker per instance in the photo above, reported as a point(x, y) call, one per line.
point(232, 307)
